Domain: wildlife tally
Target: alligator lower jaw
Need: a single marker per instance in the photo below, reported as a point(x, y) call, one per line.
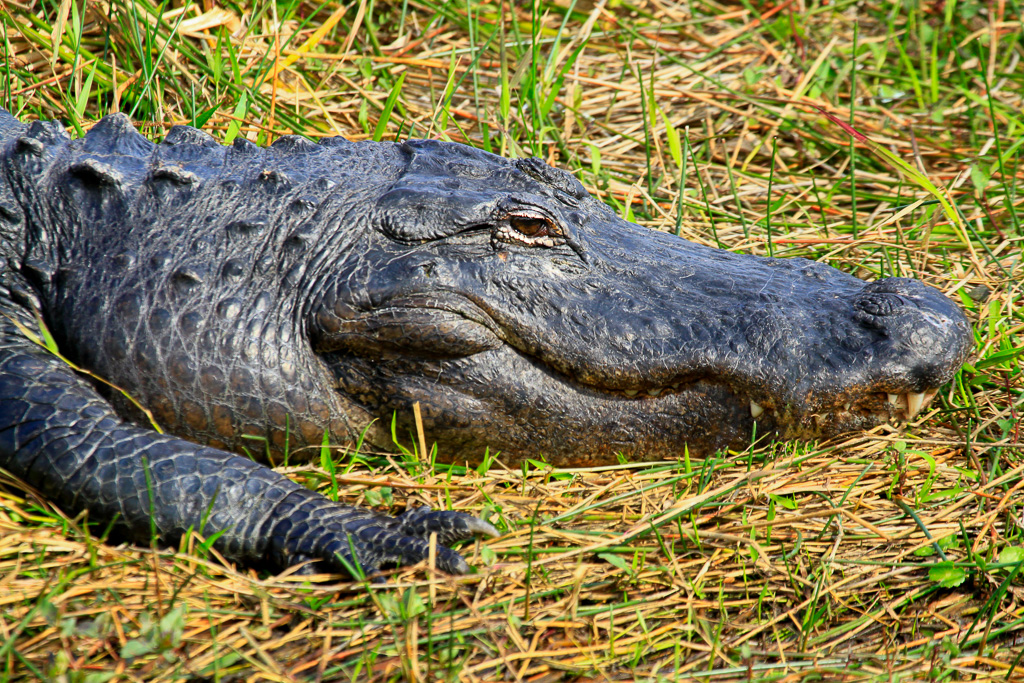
point(865, 411)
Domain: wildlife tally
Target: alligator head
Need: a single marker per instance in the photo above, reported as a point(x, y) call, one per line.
point(524, 316)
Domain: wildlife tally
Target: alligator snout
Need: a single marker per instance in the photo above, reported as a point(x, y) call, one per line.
point(855, 354)
point(924, 337)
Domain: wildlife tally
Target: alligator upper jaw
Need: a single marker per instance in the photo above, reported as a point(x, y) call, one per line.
point(890, 384)
point(485, 379)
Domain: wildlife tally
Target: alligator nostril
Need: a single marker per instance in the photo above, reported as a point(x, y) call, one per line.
point(881, 303)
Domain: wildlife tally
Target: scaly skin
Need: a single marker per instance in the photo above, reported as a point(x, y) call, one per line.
point(243, 291)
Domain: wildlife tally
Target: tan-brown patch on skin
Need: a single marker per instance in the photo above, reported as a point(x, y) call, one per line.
point(211, 379)
point(194, 417)
point(320, 411)
point(339, 434)
point(310, 433)
point(277, 414)
point(163, 412)
point(254, 446)
point(161, 381)
point(222, 423)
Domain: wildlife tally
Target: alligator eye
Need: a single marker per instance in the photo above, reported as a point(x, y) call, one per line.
point(530, 227)
point(534, 231)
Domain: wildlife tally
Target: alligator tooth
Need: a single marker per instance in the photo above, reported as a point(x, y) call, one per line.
point(893, 398)
point(914, 404)
point(630, 392)
point(755, 410)
point(653, 392)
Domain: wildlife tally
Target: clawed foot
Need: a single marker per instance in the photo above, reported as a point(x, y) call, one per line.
point(353, 540)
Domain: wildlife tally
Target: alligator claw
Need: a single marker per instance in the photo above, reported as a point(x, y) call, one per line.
point(354, 541)
point(449, 526)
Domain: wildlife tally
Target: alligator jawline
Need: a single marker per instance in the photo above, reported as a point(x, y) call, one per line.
point(845, 413)
point(905, 406)
point(869, 408)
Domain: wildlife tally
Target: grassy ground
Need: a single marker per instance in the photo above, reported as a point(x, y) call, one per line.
point(891, 555)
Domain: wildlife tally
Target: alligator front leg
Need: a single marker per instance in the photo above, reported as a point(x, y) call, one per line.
point(59, 435)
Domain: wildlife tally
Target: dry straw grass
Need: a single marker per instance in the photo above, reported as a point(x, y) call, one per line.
point(785, 562)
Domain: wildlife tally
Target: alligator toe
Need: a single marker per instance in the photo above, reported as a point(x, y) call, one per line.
point(449, 526)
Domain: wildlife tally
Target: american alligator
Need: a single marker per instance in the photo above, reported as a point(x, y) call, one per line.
point(280, 292)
